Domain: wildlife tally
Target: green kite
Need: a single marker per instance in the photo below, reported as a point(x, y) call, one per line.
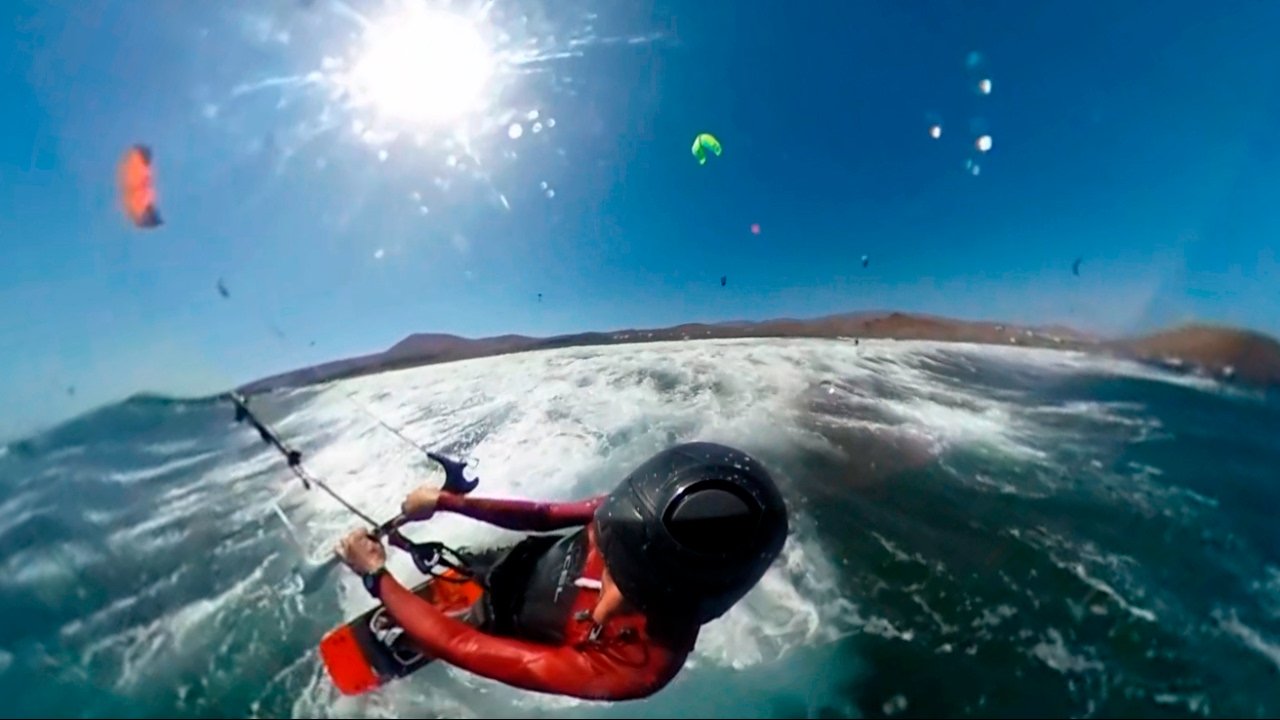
point(703, 143)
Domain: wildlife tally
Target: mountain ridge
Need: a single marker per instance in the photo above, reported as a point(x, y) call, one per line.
point(1220, 351)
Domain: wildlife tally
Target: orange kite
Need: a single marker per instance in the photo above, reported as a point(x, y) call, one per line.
point(137, 191)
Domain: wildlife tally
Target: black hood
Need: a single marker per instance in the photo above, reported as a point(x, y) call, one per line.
point(691, 530)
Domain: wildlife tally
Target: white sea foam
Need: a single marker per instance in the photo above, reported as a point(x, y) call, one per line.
point(1250, 637)
point(1078, 558)
point(172, 447)
point(150, 473)
point(142, 650)
point(1054, 652)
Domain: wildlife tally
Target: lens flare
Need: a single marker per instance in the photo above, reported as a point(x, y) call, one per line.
point(422, 66)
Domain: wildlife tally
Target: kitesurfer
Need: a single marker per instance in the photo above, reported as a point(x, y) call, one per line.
point(611, 610)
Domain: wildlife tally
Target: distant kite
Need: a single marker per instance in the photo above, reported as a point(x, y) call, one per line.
point(865, 260)
point(702, 144)
point(539, 297)
point(137, 189)
point(222, 289)
point(723, 279)
point(1075, 267)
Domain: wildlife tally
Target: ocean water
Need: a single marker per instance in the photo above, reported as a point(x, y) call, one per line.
point(976, 531)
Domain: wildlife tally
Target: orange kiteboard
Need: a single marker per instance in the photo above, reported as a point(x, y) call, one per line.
point(372, 650)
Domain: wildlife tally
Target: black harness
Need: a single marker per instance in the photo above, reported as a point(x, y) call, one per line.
point(530, 588)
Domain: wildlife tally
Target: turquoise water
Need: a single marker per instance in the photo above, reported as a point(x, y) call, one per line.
point(978, 531)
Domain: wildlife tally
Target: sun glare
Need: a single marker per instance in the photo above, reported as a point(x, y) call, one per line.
point(423, 66)
point(438, 93)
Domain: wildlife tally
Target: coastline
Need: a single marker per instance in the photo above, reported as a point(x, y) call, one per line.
point(1225, 353)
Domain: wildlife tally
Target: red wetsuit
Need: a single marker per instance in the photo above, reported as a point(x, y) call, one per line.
point(617, 661)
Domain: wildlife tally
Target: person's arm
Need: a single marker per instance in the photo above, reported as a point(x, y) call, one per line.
point(589, 674)
point(523, 515)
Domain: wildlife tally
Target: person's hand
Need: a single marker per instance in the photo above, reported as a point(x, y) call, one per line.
point(361, 552)
point(421, 503)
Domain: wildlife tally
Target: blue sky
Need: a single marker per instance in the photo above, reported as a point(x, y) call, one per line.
point(1141, 136)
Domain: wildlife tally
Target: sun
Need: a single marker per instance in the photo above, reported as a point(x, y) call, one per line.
point(422, 66)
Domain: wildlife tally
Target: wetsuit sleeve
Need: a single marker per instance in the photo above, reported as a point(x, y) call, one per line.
point(591, 673)
point(524, 515)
